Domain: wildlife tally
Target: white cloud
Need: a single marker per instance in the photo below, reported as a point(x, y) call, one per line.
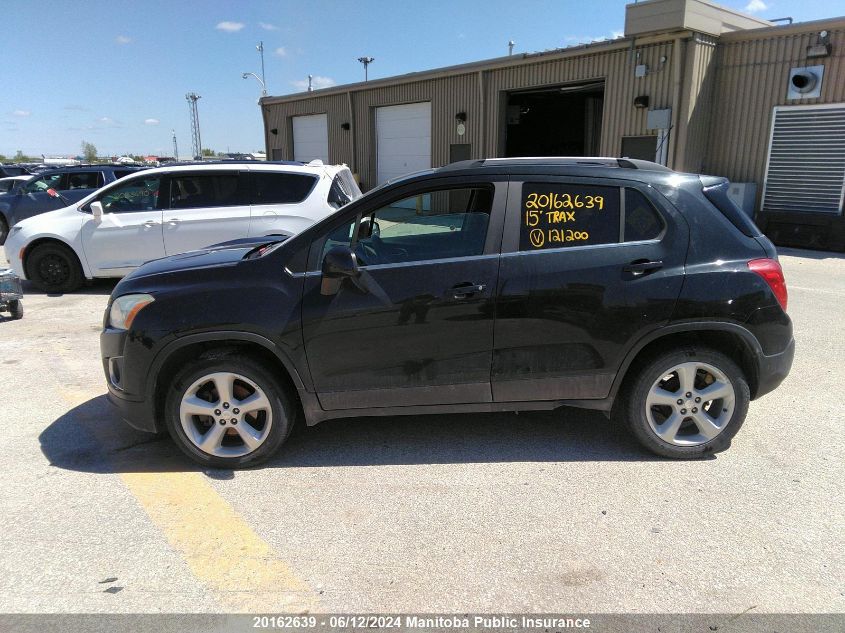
point(21, 112)
point(317, 83)
point(106, 119)
point(756, 5)
point(585, 39)
point(230, 27)
point(281, 52)
point(151, 121)
point(268, 27)
point(122, 39)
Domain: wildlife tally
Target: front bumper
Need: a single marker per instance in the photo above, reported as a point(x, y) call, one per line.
point(137, 410)
point(773, 369)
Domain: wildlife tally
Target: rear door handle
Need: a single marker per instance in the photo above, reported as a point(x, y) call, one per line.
point(466, 290)
point(150, 224)
point(642, 267)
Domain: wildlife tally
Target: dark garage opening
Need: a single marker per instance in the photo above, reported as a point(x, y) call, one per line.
point(559, 121)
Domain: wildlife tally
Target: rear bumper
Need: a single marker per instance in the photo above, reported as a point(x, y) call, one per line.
point(773, 369)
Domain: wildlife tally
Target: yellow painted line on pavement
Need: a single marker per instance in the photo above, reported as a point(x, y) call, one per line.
point(244, 573)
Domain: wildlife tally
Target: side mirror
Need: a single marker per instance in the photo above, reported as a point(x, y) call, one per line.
point(97, 210)
point(368, 228)
point(339, 263)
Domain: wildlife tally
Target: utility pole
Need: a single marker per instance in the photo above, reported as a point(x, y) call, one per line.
point(175, 146)
point(511, 44)
point(196, 142)
point(366, 61)
point(260, 49)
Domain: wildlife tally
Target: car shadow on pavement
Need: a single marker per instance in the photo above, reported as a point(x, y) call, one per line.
point(809, 254)
point(92, 438)
point(95, 287)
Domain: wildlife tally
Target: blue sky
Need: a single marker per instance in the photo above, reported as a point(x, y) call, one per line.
point(115, 73)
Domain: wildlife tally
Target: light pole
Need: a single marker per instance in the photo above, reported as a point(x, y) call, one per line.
point(366, 61)
point(259, 80)
point(260, 49)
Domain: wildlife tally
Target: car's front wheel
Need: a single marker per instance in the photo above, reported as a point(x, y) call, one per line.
point(53, 267)
point(228, 412)
point(686, 403)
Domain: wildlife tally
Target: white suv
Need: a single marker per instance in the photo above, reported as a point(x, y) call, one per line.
point(171, 210)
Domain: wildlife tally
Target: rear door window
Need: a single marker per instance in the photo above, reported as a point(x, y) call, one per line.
point(205, 190)
point(560, 215)
point(84, 180)
point(280, 188)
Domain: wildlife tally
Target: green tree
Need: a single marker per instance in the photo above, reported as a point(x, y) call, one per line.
point(89, 152)
point(208, 152)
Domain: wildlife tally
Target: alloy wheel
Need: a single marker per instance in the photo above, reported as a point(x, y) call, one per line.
point(690, 404)
point(226, 414)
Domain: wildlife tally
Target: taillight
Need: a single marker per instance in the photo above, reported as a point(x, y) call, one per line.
point(770, 270)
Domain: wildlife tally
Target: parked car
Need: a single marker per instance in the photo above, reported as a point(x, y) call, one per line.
point(171, 210)
point(495, 285)
point(38, 195)
point(9, 184)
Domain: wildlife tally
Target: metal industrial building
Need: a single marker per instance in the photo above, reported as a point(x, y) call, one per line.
point(692, 85)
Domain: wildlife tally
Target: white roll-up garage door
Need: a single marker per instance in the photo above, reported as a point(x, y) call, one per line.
point(403, 139)
point(806, 165)
point(311, 138)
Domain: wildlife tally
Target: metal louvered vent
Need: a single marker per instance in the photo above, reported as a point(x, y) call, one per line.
point(805, 172)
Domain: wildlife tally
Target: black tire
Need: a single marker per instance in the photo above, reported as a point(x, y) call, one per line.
point(631, 405)
point(4, 230)
point(53, 267)
point(16, 308)
point(282, 407)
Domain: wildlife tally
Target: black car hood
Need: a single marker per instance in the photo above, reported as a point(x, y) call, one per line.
point(223, 254)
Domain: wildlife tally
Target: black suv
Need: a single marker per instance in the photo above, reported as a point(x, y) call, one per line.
point(54, 189)
point(490, 285)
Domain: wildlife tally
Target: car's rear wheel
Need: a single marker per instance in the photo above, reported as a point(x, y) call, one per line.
point(228, 412)
point(4, 230)
point(54, 267)
point(686, 404)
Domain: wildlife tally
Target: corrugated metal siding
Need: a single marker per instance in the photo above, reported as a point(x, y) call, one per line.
point(751, 79)
point(448, 96)
point(697, 104)
point(806, 164)
point(481, 95)
point(336, 108)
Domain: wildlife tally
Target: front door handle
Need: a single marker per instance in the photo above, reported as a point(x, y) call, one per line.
point(641, 267)
point(173, 221)
point(150, 224)
point(460, 291)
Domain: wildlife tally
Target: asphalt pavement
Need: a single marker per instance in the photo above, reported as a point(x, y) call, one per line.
point(541, 511)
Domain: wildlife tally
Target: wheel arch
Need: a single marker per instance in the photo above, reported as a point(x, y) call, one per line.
point(729, 338)
point(172, 358)
point(52, 239)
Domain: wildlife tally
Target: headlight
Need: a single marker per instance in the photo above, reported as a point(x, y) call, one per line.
point(124, 310)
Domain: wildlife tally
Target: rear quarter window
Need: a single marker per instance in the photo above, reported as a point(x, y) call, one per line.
point(642, 220)
point(281, 188)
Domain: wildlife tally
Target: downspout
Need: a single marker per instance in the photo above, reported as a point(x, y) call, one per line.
point(677, 69)
point(483, 135)
point(353, 130)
